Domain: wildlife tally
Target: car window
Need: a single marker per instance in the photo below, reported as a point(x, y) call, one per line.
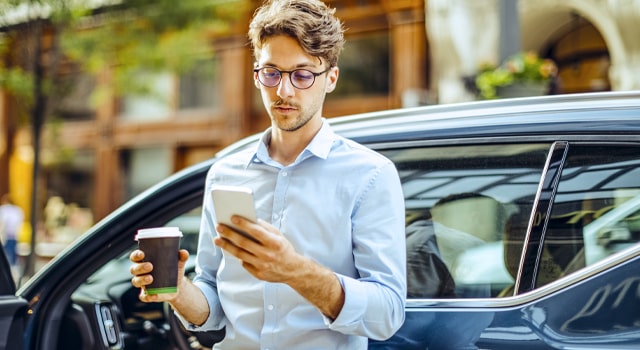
point(189, 224)
point(596, 211)
point(460, 200)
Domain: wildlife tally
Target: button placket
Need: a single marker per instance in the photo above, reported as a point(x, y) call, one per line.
point(282, 183)
point(270, 316)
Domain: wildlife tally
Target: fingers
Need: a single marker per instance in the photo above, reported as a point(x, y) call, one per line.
point(229, 246)
point(136, 255)
point(258, 232)
point(140, 270)
point(141, 281)
point(238, 244)
point(268, 226)
point(236, 237)
point(183, 255)
point(144, 297)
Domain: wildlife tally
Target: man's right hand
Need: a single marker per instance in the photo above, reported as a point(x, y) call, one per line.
point(142, 275)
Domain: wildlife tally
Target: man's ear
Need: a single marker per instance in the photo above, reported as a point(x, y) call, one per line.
point(332, 79)
point(256, 82)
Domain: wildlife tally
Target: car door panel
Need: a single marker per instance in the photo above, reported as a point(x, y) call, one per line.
point(574, 312)
point(12, 320)
point(589, 313)
point(13, 310)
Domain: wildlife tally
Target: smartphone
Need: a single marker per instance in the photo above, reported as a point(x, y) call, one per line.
point(233, 200)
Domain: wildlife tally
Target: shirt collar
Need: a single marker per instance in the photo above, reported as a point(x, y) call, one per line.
point(320, 145)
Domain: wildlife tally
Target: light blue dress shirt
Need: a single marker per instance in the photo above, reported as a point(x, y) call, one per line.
point(339, 203)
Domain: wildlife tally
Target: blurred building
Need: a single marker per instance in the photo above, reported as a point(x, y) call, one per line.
point(593, 42)
point(400, 53)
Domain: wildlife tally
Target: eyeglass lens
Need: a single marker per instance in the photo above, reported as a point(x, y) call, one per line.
point(300, 78)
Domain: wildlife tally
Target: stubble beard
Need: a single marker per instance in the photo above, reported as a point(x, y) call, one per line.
point(293, 122)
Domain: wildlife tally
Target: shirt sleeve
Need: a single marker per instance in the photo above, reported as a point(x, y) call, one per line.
point(374, 302)
point(208, 261)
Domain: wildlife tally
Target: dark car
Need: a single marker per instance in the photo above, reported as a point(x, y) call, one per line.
point(523, 222)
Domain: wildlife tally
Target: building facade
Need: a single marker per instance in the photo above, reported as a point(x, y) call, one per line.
point(593, 42)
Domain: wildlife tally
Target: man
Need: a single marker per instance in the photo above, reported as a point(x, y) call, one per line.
point(327, 269)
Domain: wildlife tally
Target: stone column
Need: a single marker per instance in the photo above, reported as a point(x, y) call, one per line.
point(624, 72)
point(462, 35)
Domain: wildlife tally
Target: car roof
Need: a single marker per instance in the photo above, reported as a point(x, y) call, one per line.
point(608, 112)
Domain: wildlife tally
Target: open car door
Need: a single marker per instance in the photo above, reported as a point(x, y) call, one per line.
point(13, 310)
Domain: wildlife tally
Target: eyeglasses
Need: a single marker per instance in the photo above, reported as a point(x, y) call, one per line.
point(300, 78)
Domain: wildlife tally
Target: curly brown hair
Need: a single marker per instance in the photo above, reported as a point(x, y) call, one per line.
point(311, 22)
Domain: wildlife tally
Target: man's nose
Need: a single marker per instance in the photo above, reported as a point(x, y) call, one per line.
point(285, 88)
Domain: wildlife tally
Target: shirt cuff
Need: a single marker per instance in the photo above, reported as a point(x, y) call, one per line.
point(215, 321)
point(355, 302)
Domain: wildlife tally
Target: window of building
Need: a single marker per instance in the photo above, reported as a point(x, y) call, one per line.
point(152, 100)
point(199, 88)
point(364, 66)
point(75, 91)
point(71, 177)
point(146, 166)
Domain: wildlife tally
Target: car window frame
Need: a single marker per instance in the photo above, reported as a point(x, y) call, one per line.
point(543, 204)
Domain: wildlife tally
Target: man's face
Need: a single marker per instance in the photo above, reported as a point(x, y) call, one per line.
point(290, 108)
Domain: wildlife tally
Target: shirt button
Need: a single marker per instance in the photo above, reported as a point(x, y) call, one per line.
point(284, 173)
point(270, 307)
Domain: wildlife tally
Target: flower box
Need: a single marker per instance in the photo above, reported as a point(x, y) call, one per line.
point(523, 74)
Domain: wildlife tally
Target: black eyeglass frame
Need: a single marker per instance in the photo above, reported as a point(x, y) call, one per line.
point(315, 75)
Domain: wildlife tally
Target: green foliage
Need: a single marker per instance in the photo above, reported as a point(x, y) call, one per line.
point(123, 37)
point(147, 36)
point(14, 79)
point(523, 67)
point(19, 82)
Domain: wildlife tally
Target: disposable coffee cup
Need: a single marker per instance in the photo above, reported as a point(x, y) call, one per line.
point(160, 246)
